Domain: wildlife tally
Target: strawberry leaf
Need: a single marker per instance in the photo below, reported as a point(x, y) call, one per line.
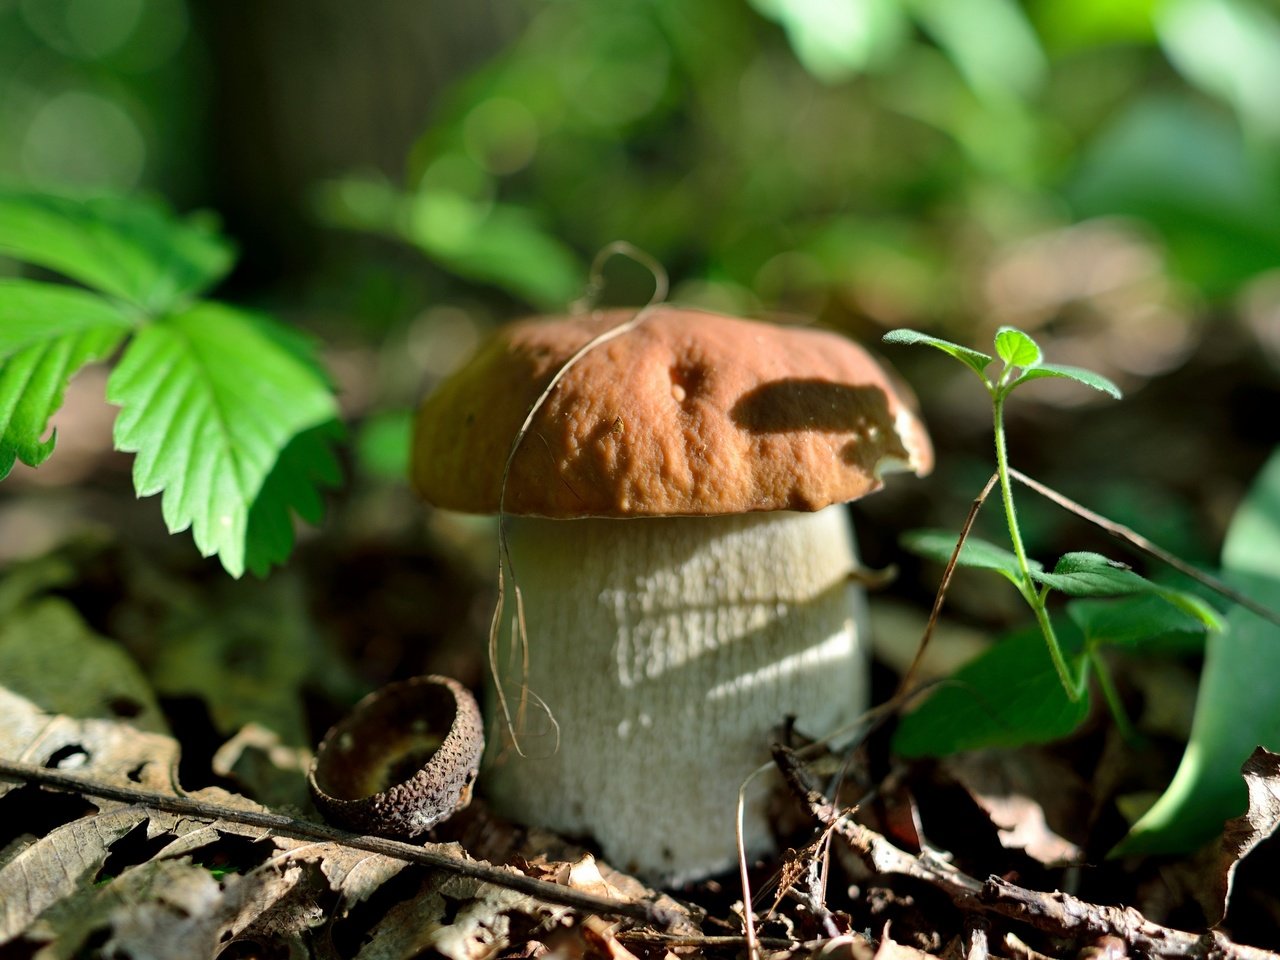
point(211, 397)
point(136, 251)
point(292, 487)
point(47, 333)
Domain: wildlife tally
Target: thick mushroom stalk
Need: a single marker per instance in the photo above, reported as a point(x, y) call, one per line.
point(668, 651)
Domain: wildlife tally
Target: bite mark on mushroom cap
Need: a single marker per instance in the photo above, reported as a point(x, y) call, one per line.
point(691, 413)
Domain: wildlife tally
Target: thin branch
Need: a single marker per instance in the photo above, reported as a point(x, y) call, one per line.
point(663, 917)
point(943, 584)
point(1142, 544)
point(1059, 914)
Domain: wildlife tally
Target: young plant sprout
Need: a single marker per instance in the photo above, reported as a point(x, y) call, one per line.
point(1075, 574)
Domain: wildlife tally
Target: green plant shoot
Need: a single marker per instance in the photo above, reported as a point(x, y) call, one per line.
point(1076, 575)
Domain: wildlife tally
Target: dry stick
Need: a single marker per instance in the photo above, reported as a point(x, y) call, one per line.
point(1058, 914)
point(1141, 543)
point(595, 284)
point(905, 685)
point(651, 913)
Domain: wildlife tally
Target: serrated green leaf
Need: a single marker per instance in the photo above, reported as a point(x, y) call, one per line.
point(32, 312)
point(1236, 708)
point(47, 333)
point(1016, 348)
point(938, 545)
point(293, 486)
point(210, 398)
point(1142, 621)
point(973, 359)
point(1093, 575)
point(129, 248)
point(1008, 696)
point(1078, 374)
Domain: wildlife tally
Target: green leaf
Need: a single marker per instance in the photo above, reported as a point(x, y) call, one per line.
point(990, 42)
point(1228, 48)
point(1093, 575)
point(1142, 621)
point(835, 41)
point(293, 486)
point(211, 398)
point(500, 244)
point(382, 448)
point(131, 249)
point(1016, 348)
point(47, 333)
point(1063, 372)
point(1008, 696)
point(1236, 708)
point(973, 359)
point(938, 545)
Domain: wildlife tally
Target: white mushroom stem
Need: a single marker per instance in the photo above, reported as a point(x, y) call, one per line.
point(668, 651)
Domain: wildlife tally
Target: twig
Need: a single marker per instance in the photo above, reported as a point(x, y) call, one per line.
point(1142, 544)
point(943, 584)
point(1067, 916)
point(651, 913)
point(1059, 914)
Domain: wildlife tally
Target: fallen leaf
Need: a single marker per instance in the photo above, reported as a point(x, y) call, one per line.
point(1241, 835)
point(62, 690)
point(459, 918)
point(1022, 791)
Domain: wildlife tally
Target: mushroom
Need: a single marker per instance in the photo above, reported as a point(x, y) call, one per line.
point(683, 555)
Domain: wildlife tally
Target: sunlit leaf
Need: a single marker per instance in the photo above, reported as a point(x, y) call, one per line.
point(211, 397)
point(1008, 696)
point(1237, 708)
point(990, 41)
point(130, 249)
point(1016, 348)
point(1231, 49)
point(1093, 575)
point(938, 545)
point(47, 333)
point(973, 359)
point(1059, 371)
point(836, 39)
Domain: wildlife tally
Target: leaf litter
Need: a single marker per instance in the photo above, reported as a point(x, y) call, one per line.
point(98, 877)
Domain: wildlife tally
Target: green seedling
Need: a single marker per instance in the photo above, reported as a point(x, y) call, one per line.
point(1147, 609)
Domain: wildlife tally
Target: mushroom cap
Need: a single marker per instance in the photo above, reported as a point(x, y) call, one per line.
point(690, 413)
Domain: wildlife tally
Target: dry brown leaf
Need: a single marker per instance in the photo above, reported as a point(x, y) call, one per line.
point(459, 918)
point(1022, 791)
point(1259, 822)
point(63, 694)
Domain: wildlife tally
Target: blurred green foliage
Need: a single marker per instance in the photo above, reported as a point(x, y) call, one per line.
point(865, 166)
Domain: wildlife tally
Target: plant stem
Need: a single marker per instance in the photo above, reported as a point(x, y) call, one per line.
point(1112, 696)
point(1073, 686)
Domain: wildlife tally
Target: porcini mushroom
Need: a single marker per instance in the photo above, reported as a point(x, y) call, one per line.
point(684, 559)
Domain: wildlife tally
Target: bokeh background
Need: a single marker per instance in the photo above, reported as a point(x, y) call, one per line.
point(400, 175)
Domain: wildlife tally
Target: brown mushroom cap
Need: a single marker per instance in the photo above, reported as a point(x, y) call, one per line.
point(690, 413)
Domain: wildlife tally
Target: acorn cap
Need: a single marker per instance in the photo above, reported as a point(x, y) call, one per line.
point(403, 760)
point(689, 413)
